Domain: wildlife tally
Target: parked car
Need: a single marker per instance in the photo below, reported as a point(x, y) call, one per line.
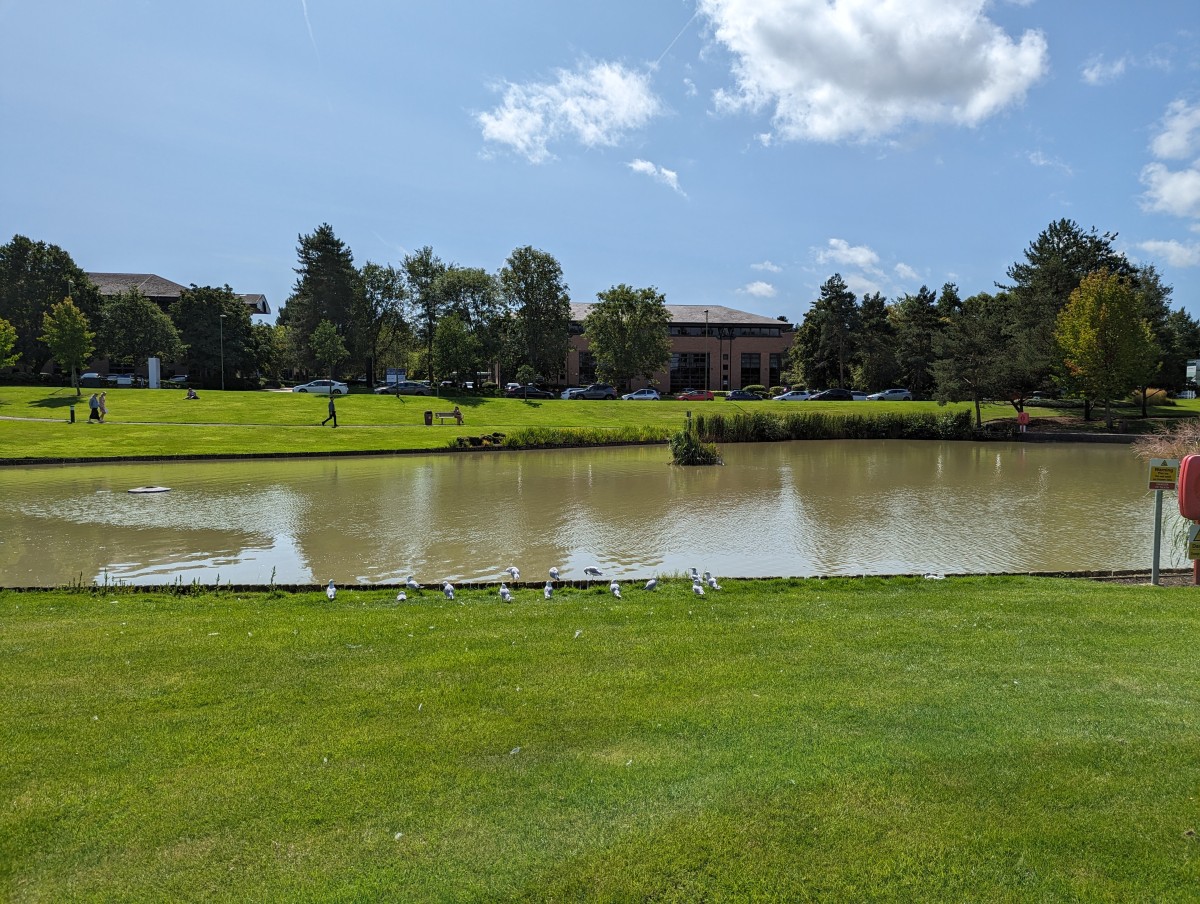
point(694, 395)
point(891, 395)
point(642, 395)
point(323, 387)
point(125, 380)
point(596, 391)
point(530, 391)
point(858, 396)
point(793, 395)
point(1042, 395)
point(91, 379)
point(405, 387)
point(833, 395)
point(176, 381)
point(570, 391)
point(741, 395)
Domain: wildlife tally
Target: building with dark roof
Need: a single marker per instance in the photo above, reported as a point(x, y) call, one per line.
point(161, 291)
point(712, 347)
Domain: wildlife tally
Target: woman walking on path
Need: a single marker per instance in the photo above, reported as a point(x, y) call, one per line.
point(103, 406)
point(94, 408)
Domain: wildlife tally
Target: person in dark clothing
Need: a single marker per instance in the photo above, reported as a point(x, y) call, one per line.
point(332, 413)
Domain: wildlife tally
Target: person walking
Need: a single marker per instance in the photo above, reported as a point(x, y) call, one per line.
point(103, 406)
point(332, 412)
point(94, 408)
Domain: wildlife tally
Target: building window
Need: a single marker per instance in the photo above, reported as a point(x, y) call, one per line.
point(775, 368)
point(587, 368)
point(751, 369)
point(688, 370)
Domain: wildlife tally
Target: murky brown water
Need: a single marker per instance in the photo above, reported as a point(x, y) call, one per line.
point(808, 508)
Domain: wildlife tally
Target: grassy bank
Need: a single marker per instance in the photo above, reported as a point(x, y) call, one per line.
point(982, 739)
point(162, 423)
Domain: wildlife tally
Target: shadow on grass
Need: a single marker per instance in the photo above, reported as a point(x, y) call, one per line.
point(58, 401)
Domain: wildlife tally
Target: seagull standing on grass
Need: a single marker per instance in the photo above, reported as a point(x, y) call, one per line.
point(593, 572)
point(652, 584)
point(615, 588)
point(554, 573)
point(401, 596)
point(505, 593)
point(548, 590)
point(411, 583)
point(448, 590)
point(712, 582)
point(513, 572)
point(331, 591)
point(693, 574)
point(698, 588)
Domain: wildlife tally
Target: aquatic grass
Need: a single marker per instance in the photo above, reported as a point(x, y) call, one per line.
point(760, 426)
point(987, 739)
point(558, 437)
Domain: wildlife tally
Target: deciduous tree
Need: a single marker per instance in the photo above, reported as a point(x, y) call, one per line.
point(627, 331)
point(422, 273)
point(8, 339)
point(133, 328)
point(211, 342)
point(66, 333)
point(327, 346)
point(1104, 338)
point(539, 335)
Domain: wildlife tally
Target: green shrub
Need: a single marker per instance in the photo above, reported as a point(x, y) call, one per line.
point(777, 390)
point(689, 449)
point(756, 388)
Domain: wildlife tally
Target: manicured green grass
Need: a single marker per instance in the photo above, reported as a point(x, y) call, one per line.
point(970, 739)
point(163, 423)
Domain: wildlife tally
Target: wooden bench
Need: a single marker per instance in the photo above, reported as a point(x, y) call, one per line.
point(443, 415)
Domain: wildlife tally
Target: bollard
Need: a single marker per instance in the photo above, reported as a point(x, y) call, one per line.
point(72, 420)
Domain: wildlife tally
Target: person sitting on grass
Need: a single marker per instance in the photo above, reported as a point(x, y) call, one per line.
point(191, 393)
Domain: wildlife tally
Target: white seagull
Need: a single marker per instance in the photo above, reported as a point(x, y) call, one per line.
point(513, 572)
point(554, 573)
point(652, 584)
point(548, 590)
point(401, 596)
point(448, 590)
point(331, 591)
point(505, 593)
point(411, 583)
point(698, 588)
point(693, 573)
point(712, 582)
point(593, 572)
point(615, 588)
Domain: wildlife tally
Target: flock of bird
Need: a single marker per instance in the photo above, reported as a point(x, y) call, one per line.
point(699, 582)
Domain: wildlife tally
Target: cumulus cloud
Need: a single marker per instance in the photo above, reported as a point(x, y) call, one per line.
point(595, 104)
point(1176, 192)
point(759, 289)
point(843, 254)
point(905, 272)
point(658, 173)
point(1180, 134)
point(1098, 71)
point(1174, 253)
point(855, 69)
point(767, 266)
point(1037, 158)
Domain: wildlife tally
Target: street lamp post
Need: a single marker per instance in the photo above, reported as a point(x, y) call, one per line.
point(222, 323)
point(707, 353)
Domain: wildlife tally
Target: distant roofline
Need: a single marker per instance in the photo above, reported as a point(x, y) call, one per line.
point(694, 314)
point(154, 286)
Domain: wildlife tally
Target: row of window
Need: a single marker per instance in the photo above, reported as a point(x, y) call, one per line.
point(725, 332)
point(689, 370)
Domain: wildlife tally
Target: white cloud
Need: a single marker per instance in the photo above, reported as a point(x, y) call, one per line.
point(1098, 71)
point(1175, 253)
point(759, 289)
point(596, 105)
point(1176, 192)
point(1037, 158)
point(861, 285)
point(1180, 135)
point(842, 253)
point(905, 272)
point(658, 173)
point(838, 69)
point(767, 266)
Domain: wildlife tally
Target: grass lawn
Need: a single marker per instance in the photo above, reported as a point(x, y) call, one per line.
point(163, 423)
point(971, 739)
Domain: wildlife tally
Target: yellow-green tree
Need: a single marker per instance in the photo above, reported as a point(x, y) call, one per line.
point(65, 332)
point(1104, 338)
point(8, 339)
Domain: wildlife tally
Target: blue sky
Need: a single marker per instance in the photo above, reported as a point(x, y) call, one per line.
point(733, 152)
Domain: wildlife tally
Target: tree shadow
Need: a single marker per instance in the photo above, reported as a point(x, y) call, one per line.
point(61, 401)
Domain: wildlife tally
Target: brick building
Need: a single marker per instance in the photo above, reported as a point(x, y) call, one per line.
point(712, 347)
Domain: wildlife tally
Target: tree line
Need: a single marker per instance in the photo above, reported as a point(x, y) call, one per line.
point(425, 317)
point(1074, 315)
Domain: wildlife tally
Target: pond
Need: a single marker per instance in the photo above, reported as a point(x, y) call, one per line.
point(799, 508)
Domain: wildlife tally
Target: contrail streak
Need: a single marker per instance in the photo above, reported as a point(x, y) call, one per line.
point(676, 38)
point(304, 6)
